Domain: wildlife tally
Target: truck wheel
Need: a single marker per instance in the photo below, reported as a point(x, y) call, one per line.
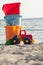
point(15, 41)
point(27, 41)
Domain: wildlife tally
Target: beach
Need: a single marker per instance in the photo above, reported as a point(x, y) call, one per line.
point(21, 54)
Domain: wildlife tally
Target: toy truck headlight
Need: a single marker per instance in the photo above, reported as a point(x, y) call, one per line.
point(33, 41)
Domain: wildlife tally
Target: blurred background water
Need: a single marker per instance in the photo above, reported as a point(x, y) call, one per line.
point(32, 26)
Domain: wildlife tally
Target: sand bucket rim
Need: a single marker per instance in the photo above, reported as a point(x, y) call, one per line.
point(12, 16)
point(10, 4)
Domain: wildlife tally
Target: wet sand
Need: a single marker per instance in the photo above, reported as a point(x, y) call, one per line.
point(21, 54)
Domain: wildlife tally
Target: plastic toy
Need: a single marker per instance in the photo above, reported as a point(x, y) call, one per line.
point(11, 8)
point(27, 39)
point(14, 33)
point(13, 20)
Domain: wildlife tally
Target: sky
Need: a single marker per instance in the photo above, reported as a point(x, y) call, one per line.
point(28, 8)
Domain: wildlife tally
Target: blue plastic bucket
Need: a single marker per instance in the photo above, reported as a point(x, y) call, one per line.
point(13, 19)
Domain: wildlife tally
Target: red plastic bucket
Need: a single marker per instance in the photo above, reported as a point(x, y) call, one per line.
point(11, 8)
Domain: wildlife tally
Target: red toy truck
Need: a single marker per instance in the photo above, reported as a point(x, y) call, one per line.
point(27, 39)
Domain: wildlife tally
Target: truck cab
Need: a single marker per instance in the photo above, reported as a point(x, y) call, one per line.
point(23, 34)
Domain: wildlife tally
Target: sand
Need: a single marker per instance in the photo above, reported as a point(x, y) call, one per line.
point(21, 54)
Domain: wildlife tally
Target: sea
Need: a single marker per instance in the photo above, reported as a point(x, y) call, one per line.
point(32, 26)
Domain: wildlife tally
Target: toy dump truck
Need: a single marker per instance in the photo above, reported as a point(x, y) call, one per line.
point(27, 39)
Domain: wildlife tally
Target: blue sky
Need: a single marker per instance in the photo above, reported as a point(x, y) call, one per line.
point(28, 9)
